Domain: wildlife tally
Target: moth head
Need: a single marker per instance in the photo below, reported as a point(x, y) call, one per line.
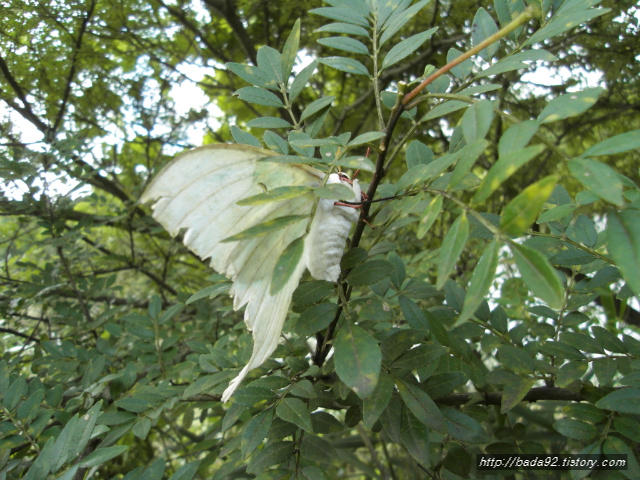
point(344, 179)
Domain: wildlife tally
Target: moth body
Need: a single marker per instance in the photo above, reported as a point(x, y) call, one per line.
point(329, 231)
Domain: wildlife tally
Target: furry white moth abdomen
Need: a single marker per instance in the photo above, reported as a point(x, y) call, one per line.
point(329, 231)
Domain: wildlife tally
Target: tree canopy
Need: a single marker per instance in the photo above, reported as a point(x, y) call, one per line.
point(488, 301)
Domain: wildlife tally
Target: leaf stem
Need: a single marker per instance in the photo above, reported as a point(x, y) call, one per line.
point(513, 25)
point(376, 80)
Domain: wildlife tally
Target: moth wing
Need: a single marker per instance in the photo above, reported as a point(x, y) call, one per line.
point(198, 192)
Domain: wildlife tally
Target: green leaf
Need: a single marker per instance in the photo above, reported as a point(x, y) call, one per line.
point(5, 379)
point(366, 138)
point(170, 312)
point(268, 122)
point(357, 359)
point(141, 428)
point(155, 471)
point(560, 350)
point(256, 431)
point(444, 108)
point(374, 404)
point(441, 384)
point(316, 106)
point(265, 228)
point(582, 341)
point(259, 96)
point(517, 62)
point(567, 21)
point(317, 449)
point(369, 272)
point(15, 392)
point(463, 427)
point(517, 137)
point(458, 461)
point(424, 172)
point(569, 105)
point(30, 407)
point(615, 445)
point(136, 404)
point(507, 10)
point(538, 275)
point(414, 435)
point(286, 265)
point(608, 340)
point(513, 392)
point(429, 217)
point(616, 144)
point(413, 314)
point(102, 455)
point(418, 153)
point(506, 166)
point(346, 28)
point(515, 359)
point(301, 80)
point(345, 64)
point(42, 464)
point(483, 27)
point(451, 248)
point(186, 472)
point(419, 357)
point(253, 75)
point(244, 138)
point(275, 195)
point(312, 292)
point(556, 213)
point(628, 426)
point(422, 406)
point(522, 211)
point(324, 422)
point(598, 177)
point(342, 14)
point(275, 142)
point(315, 318)
point(623, 233)
point(290, 50)
point(304, 389)
point(274, 453)
point(469, 155)
point(398, 18)
point(605, 368)
point(463, 70)
point(584, 231)
point(476, 121)
point(295, 411)
point(481, 281)
point(270, 61)
point(406, 48)
point(345, 43)
point(84, 431)
point(335, 191)
point(211, 292)
point(575, 429)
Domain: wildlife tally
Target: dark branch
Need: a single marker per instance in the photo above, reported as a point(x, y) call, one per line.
point(26, 111)
point(19, 334)
point(495, 398)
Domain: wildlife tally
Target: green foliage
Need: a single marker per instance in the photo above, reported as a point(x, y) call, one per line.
point(499, 263)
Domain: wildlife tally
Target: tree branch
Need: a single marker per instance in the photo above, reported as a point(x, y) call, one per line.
point(495, 398)
point(26, 111)
point(227, 10)
point(72, 71)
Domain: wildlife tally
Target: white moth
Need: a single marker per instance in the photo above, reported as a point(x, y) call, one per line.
point(198, 192)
